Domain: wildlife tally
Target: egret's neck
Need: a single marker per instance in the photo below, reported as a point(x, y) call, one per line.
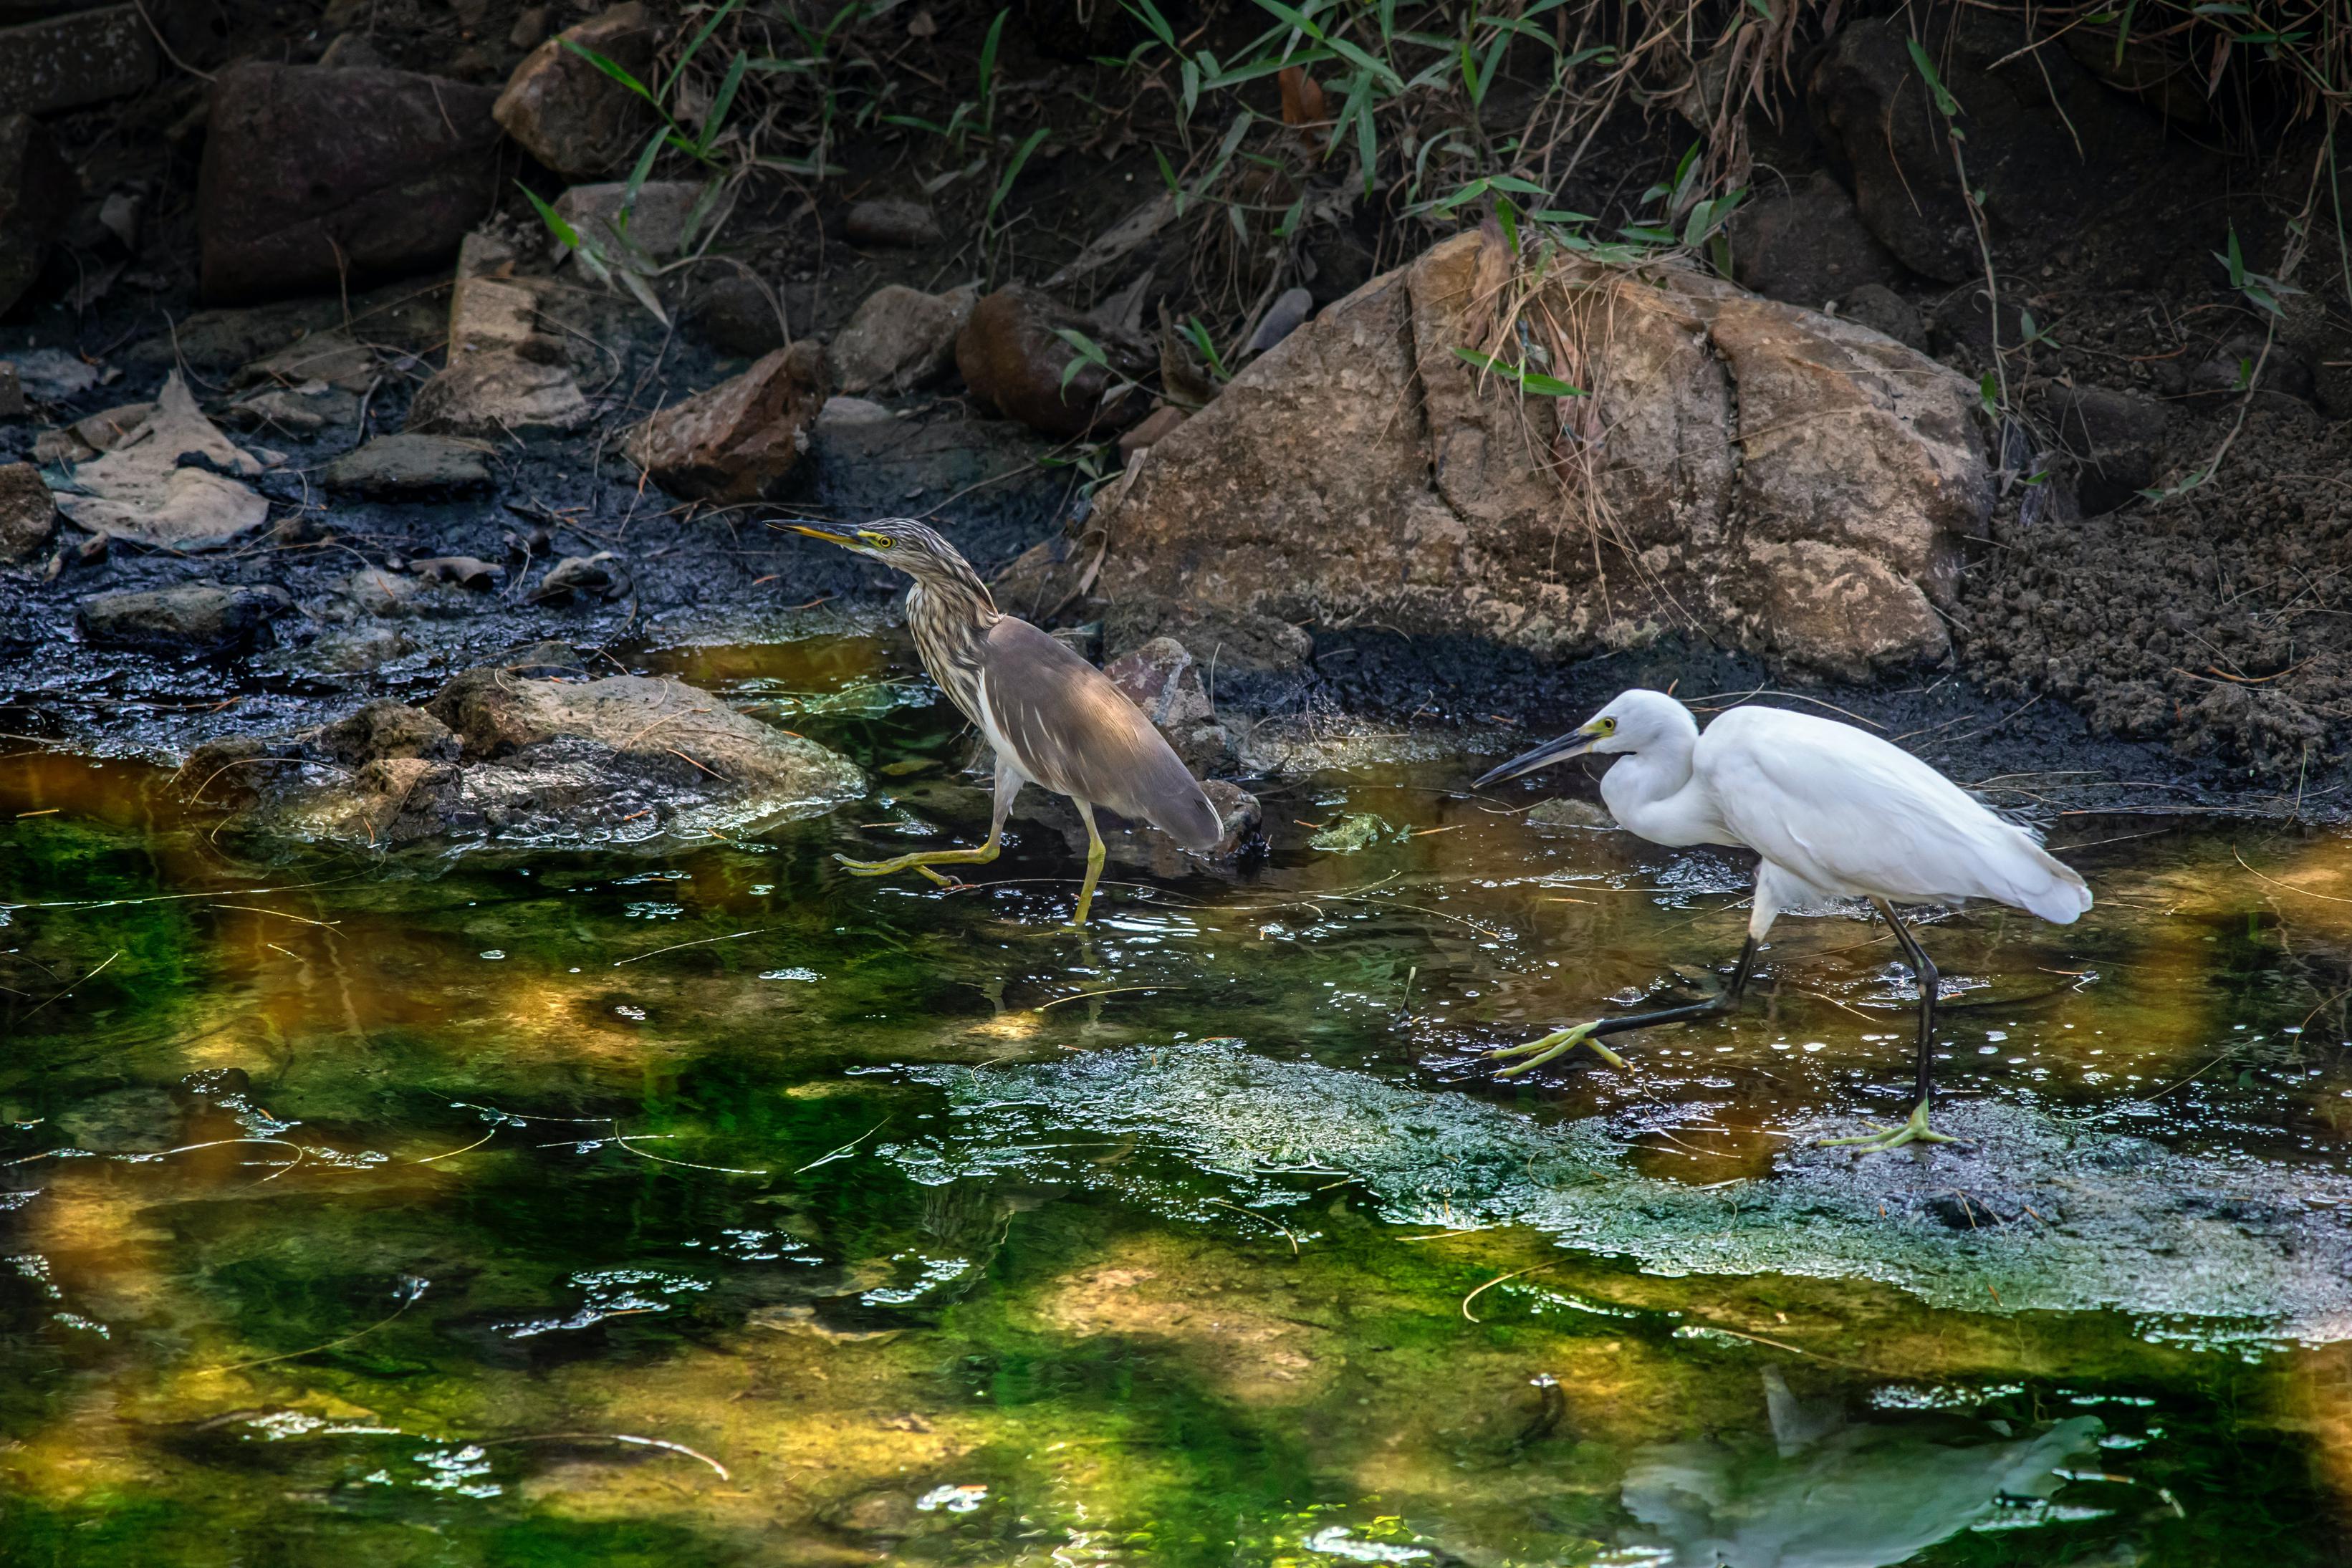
point(1650, 792)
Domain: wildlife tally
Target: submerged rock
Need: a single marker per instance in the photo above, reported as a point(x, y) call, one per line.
point(1741, 468)
point(499, 754)
point(2058, 1215)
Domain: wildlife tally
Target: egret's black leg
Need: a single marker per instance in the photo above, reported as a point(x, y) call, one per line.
point(1560, 1041)
point(1915, 1130)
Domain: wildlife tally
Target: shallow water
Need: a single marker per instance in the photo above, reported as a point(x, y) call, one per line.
point(546, 1207)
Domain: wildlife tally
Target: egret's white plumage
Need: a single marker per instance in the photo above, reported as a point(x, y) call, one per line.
point(1832, 811)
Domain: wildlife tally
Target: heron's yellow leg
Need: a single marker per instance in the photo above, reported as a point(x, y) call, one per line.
point(1559, 1043)
point(1913, 1131)
point(1097, 853)
point(923, 860)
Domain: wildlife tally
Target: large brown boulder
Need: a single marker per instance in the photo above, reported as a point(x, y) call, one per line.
point(314, 177)
point(1743, 470)
point(737, 441)
point(569, 115)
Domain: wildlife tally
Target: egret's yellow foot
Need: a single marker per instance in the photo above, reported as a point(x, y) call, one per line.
point(1913, 1131)
point(1559, 1043)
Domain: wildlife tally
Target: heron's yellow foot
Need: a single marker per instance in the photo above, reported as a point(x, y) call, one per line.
point(920, 860)
point(1559, 1043)
point(1913, 1131)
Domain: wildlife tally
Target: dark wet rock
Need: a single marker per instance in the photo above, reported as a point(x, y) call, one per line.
point(1880, 308)
point(1288, 313)
point(332, 356)
point(1011, 358)
point(351, 51)
point(469, 572)
point(300, 412)
point(893, 223)
point(1960, 326)
point(136, 1121)
point(569, 115)
point(409, 463)
point(493, 392)
point(529, 29)
point(1231, 641)
point(1567, 811)
point(359, 650)
point(1161, 422)
point(2064, 162)
point(375, 592)
point(544, 659)
point(499, 754)
point(736, 315)
point(1239, 816)
point(2241, 363)
point(656, 230)
point(900, 338)
point(28, 514)
point(314, 178)
point(1812, 518)
point(12, 392)
point(84, 57)
point(195, 618)
point(386, 731)
point(1163, 679)
point(739, 440)
point(888, 467)
point(37, 189)
point(593, 576)
point(2117, 439)
point(2226, 1248)
point(1808, 247)
point(411, 316)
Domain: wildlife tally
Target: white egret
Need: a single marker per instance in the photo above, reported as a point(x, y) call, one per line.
point(1833, 812)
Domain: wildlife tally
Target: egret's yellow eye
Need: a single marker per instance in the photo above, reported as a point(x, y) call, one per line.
point(1604, 726)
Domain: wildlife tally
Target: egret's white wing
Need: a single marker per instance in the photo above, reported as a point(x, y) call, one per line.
point(1850, 813)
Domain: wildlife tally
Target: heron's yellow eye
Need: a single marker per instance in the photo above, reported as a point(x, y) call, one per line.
point(879, 541)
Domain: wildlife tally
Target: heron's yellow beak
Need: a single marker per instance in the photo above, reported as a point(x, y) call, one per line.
point(828, 536)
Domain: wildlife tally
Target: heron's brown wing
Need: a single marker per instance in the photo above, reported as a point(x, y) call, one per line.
point(1074, 732)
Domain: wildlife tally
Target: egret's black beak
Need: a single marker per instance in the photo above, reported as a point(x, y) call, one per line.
point(1576, 743)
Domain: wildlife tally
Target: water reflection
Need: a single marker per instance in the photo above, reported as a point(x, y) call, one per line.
point(734, 1211)
point(1826, 1493)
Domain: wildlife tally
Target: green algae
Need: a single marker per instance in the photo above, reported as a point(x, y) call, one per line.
point(535, 1190)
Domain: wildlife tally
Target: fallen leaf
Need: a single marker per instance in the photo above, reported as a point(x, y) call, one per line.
point(142, 492)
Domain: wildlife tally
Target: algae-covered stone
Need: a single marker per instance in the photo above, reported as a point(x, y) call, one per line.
point(497, 754)
point(1567, 811)
point(1355, 830)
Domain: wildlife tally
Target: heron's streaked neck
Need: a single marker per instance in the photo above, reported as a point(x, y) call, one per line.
point(1649, 792)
